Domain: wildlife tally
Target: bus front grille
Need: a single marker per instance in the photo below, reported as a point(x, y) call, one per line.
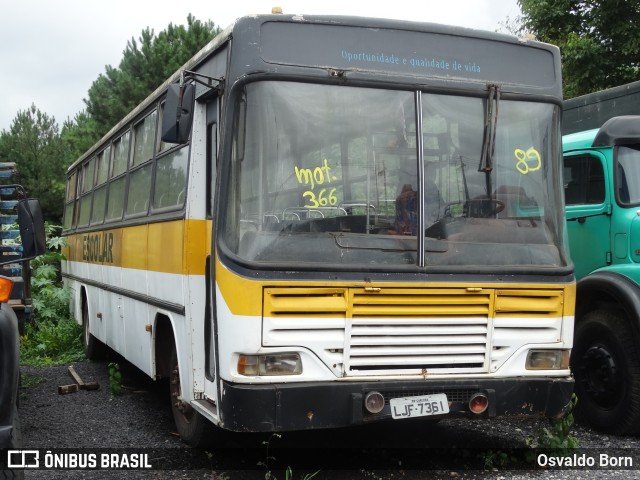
point(410, 331)
point(395, 332)
point(418, 331)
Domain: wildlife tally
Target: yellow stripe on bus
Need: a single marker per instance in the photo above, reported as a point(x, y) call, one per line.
point(182, 247)
point(179, 246)
point(338, 298)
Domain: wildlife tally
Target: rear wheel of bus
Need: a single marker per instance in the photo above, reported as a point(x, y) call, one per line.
point(192, 427)
point(94, 349)
point(606, 366)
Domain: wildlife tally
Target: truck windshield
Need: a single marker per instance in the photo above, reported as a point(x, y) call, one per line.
point(332, 175)
point(628, 179)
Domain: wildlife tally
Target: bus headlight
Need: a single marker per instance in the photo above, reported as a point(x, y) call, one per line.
point(548, 360)
point(271, 364)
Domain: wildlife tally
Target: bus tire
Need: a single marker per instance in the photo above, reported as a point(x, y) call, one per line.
point(606, 366)
point(193, 428)
point(94, 349)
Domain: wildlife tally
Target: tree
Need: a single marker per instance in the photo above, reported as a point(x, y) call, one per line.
point(78, 136)
point(146, 63)
point(34, 143)
point(598, 40)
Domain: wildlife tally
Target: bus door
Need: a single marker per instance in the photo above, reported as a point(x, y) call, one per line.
point(212, 129)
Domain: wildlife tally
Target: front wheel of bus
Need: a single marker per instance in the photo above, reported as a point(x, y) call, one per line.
point(193, 428)
point(606, 366)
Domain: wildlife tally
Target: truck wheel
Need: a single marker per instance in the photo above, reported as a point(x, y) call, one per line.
point(606, 366)
point(94, 349)
point(193, 428)
point(15, 443)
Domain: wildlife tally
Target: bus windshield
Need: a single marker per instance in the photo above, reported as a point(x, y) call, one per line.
point(334, 176)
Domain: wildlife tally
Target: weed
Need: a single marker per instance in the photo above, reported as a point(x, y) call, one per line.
point(558, 437)
point(288, 472)
point(51, 343)
point(497, 459)
point(52, 336)
point(115, 379)
point(50, 299)
point(29, 381)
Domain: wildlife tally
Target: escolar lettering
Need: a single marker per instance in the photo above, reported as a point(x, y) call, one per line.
point(98, 248)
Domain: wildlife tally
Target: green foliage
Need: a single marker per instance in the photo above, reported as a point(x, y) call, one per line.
point(559, 436)
point(33, 142)
point(145, 64)
point(52, 337)
point(50, 300)
point(498, 459)
point(115, 379)
point(51, 343)
point(28, 381)
point(78, 136)
point(557, 439)
point(598, 40)
point(288, 473)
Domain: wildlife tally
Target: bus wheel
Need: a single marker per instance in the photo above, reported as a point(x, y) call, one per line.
point(94, 349)
point(193, 428)
point(606, 367)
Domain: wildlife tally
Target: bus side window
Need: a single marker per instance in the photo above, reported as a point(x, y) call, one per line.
point(139, 190)
point(115, 200)
point(144, 138)
point(88, 177)
point(171, 179)
point(71, 207)
point(100, 193)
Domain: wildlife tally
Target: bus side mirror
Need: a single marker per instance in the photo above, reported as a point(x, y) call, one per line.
point(31, 225)
point(177, 115)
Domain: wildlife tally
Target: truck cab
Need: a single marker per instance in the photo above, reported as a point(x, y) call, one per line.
point(602, 197)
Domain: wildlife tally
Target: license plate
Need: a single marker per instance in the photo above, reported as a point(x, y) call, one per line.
point(420, 406)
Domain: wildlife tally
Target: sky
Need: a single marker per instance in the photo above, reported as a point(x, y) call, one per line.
point(52, 51)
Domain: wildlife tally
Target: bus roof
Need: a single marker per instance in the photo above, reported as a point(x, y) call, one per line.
point(243, 24)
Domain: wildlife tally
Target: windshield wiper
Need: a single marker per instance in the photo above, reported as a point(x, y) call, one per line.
point(490, 129)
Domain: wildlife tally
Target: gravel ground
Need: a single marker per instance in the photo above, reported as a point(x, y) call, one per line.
point(140, 420)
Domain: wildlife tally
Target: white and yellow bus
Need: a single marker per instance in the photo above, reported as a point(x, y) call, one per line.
point(329, 221)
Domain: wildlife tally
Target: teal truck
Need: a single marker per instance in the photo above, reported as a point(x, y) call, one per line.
point(602, 197)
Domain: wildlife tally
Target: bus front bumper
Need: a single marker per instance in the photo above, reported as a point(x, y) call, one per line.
point(305, 406)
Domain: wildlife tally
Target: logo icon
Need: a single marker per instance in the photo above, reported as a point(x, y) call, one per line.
point(23, 459)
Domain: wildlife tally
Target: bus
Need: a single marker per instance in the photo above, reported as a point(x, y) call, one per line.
point(326, 221)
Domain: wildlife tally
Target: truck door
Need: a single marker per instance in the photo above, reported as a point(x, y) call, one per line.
point(588, 211)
